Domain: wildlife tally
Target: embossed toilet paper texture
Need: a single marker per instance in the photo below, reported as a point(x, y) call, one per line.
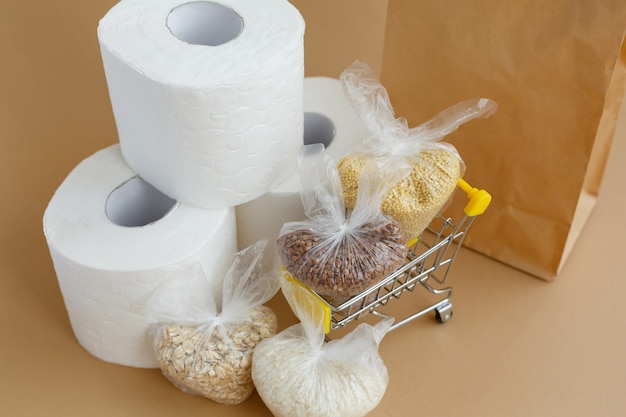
point(107, 272)
point(210, 126)
point(264, 216)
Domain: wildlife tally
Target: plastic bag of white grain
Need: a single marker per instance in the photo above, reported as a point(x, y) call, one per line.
point(435, 165)
point(298, 374)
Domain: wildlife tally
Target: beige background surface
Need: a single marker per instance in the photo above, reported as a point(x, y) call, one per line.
point(517, 346)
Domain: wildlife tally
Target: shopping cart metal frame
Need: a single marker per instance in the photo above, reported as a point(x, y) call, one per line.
point(429, 261)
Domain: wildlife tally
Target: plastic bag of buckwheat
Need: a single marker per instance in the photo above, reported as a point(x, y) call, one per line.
point(335, 253)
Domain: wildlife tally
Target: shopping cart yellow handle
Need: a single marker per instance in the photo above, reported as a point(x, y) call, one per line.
point(479, 200)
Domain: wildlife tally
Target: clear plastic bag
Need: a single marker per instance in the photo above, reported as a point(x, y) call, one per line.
point(339, 254)
point(435, 166)
point(298, 374)
point(204, 348)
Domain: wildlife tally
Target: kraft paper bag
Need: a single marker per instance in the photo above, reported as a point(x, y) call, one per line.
point(556, 71)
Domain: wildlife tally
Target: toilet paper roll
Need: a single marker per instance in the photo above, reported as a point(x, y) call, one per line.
point(113, 239)
point(207, 95)
point(329, 119)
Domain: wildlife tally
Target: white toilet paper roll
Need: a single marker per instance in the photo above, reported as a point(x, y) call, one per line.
point(207, 95)
point(329, 119)
point(113, 239)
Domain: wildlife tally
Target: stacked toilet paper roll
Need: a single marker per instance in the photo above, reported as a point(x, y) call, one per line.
point(207, 99)
point(207, 95)
point(114, 239)
point(329, 119)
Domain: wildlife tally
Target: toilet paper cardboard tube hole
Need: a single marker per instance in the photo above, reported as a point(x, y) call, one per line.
point(204, 23)
point(136, 203)
point(318, 128)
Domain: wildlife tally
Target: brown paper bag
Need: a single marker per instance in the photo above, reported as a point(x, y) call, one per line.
point(556, 71)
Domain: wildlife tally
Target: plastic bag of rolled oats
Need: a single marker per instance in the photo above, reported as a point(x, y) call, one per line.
point(436, 166)
point(335, 253)
point(298, 374)
point(204, 341)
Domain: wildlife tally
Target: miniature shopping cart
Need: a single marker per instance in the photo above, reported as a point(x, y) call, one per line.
point(428, 263)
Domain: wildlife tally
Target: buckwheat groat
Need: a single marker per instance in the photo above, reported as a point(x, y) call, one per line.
point(350, 263)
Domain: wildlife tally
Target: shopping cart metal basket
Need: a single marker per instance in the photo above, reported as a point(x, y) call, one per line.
point(428, 263)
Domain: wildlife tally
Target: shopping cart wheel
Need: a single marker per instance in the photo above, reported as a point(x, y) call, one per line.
point(443, 313)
